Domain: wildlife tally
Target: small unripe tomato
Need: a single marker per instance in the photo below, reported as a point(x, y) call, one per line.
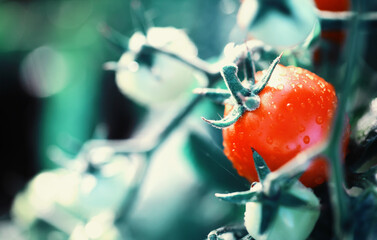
point(289, 223)
point(152, 78)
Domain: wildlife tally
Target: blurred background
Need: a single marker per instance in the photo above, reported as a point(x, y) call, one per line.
point(55, 95)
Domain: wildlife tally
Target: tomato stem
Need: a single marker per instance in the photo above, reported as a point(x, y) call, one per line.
point(340, 20)
point(340, 200)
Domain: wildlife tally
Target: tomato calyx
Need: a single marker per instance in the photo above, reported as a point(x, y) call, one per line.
point(281, 196)
point(242, 95)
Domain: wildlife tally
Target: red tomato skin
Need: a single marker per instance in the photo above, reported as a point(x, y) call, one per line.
point(296, 111)
point(337, 38)
point(333, 5)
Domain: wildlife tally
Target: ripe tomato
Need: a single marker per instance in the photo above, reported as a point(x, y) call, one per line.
point(332, 5)
point(335, 37)
point(296, 112)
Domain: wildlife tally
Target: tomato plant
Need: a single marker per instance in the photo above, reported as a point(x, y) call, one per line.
point(288, 212)
point(296, 112)
point(335, 37)
point(295, 19)
point(289, 223)
point(153, 79)
point(279, 113)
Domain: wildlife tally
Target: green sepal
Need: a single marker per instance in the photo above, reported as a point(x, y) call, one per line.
point(233, 83)
point(251, 103)
point(231, 118)
point(260, 166)
point(269, 212)
point(249, 69)
point(217, 95)
point(257, 88)
point(290, 200)
point(240, 197)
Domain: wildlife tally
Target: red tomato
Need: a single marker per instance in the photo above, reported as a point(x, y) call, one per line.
point(336, 37)
point(296, 112)
point(332, 5)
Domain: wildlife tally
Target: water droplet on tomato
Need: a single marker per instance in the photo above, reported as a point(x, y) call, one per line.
point(269, 140)
point(306, 139)
point(280, 117)
point(319, 120)
point(280, 86)
point(302, 105)
point(310, 102)
point(329, 113)
point(299, 85)
point(310, 76)
point(289, 106)
point(293, 85)
point(301, 128)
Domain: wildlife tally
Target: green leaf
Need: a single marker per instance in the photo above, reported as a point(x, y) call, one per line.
point(240, 197)
point(290, 200)
point(229, 73)
point(231, 118)
point(250, 69)
point(260, 166)
point(251, 103)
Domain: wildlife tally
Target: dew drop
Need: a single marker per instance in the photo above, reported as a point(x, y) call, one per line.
point(299, 85)
point(329, 113)
point(280, 87)
point(269, 140)
point(302, 105)
point(301, 128)
point(289, 106)
point(319, 120)
point(306, 139)
point(293, 85)
point(310, 76)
